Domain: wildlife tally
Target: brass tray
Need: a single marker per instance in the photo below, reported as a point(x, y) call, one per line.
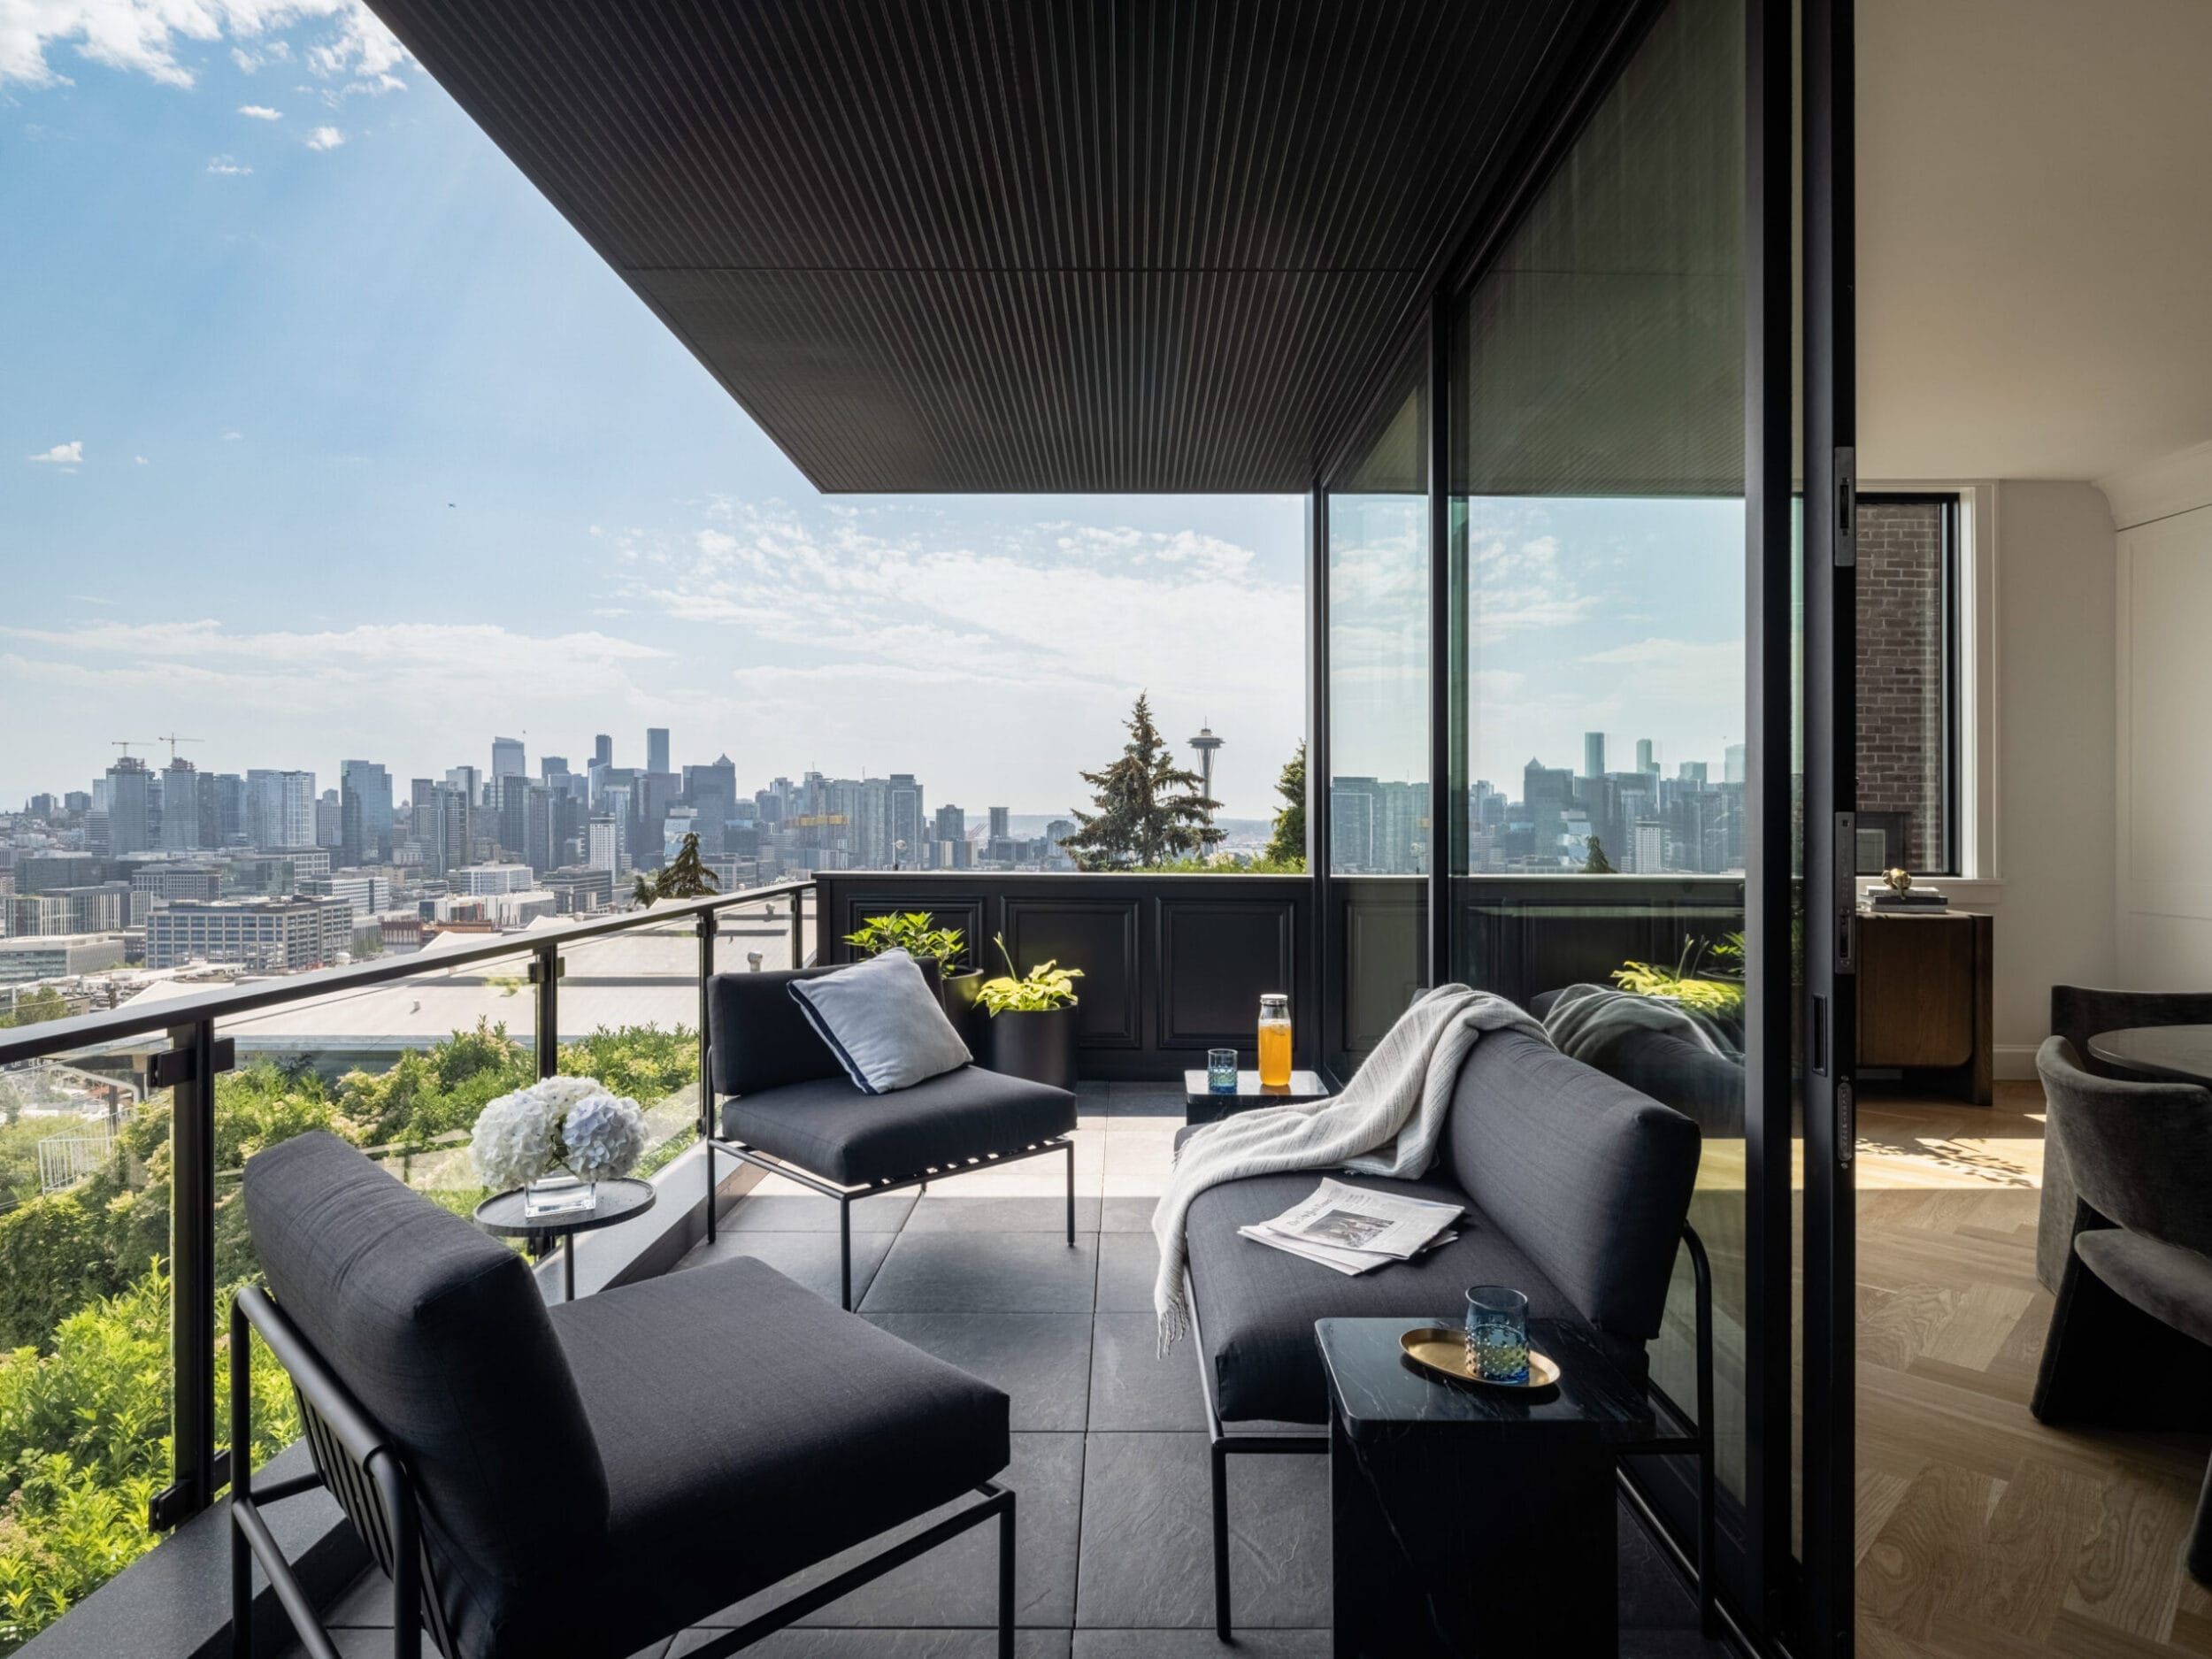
point(1443, 1348)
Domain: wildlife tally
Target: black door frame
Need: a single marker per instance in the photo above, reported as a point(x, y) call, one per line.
point(1785, 1600)
point(1831, 578)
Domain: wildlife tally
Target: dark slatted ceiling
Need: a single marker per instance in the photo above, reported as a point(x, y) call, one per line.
point(1053, 245)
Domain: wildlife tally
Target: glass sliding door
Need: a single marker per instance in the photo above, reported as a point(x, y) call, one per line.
point(1377, 797)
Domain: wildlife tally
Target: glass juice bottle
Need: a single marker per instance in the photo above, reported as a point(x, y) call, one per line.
point(1274, 1040)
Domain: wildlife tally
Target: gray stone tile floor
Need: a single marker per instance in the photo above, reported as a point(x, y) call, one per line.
point(1110, 1447)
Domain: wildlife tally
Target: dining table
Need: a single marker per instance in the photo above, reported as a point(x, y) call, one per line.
point(2182, 1053)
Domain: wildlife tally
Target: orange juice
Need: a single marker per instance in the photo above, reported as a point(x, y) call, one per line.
point(1274, 1042)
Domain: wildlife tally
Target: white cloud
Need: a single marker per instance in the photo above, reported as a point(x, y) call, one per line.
point(139, 459)
point(325, 138)
point(879, 633)
point(151, 37)
point(228, 165)
point(233, 437)
point(70, 454)
point(261, 111)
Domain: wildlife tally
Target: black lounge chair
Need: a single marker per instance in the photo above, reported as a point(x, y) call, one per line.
point(793, 1111)
point(589, 1478)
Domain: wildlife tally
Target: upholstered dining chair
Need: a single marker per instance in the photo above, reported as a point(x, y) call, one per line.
point(2079, 1012)
point(590, 1479)
point(2131, 1338)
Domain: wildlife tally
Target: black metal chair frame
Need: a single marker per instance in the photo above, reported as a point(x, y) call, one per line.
point(845, 1195)
point(1225, 1444)
point(368, 1477)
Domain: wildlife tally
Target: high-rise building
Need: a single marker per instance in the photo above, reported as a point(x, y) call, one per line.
point(1594, 754)
point(470, 780)
point(713, 792)
point(455, 827)
point(507, 758)
point(511, 808)
point(364, 813)
point(281, 808)
point(1733, 765)
point(907, 829)
point(552, 766)
point(180, 805)
point(1691, 772)
point(656, 748)
point(1646, 760)
point(606, 851)
point(603, 751)
point(999, 832)
point(130, 806)
point(222, 808)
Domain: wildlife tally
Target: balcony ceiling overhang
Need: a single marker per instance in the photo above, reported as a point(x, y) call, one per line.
point(1067, 245)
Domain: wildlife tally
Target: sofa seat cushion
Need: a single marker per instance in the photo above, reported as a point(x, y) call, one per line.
point(1257, 1307)
point(748, 1429)
point(828, 1127)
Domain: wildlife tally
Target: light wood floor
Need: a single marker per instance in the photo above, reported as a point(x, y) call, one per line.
point(1981, 1532)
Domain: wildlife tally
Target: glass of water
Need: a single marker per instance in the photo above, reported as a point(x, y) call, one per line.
point(1497, 1334)
point(1221, 1070)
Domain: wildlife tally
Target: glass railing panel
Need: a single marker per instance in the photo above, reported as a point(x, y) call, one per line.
point(85, 1397)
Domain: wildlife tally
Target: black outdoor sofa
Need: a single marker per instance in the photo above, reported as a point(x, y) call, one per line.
point(793, 1111)
point(1577, 1190)
point(585, 1479)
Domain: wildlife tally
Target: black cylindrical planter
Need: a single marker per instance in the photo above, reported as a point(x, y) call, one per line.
point(1040, 1047)
point(957, 991)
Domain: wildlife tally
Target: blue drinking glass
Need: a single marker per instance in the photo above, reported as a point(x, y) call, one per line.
point(1497, 1334)
point(1221, 1070)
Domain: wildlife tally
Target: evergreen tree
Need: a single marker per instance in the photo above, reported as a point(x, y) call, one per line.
point(684, 876)
point(1597, 863)
point(1287, 845)
point(1150, 809)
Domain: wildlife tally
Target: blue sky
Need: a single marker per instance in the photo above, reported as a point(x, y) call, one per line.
point(317, 346)
point(322, 434)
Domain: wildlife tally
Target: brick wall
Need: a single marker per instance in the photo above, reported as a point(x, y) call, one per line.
point(1900, 671)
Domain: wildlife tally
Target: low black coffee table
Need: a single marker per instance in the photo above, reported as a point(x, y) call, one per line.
point(618, 1200)
point(1468, 1519)
point(1201, 1105)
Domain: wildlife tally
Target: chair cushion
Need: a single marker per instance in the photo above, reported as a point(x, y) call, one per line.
point(749, 1430)
point(441, 1334)
point(759, 1038)
point(883, 1022)
point(1589, 1177)
point(831, 1128)
point(1257, 1307)
point(2170, 1283)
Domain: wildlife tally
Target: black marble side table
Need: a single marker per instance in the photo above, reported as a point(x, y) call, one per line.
point(1469, 1520)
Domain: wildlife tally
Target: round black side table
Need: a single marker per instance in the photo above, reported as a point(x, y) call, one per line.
point(618, 1200)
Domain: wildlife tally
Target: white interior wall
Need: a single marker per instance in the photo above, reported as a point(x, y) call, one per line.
point(2048, 856)
point(2162, 583)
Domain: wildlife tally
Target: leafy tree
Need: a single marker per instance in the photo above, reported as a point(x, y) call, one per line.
point(1596, 864)
point(40, 1006)
point(1149, 809)
point(1287, 848)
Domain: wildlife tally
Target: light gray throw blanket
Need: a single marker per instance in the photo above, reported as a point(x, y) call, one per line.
point(1387, 1122)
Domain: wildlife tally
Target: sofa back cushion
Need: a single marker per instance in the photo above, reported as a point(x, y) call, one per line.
point(441, 1334)
point(758, 1037)
point(1591, 1179)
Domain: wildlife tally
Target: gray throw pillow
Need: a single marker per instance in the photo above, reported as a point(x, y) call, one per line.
point(883, 1022)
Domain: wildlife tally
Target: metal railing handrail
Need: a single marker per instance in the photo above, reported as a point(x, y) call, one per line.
point(195, 1054)
point(83, 1030)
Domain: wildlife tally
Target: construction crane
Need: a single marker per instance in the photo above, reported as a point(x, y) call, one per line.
point(124, 743)
point(172, 740)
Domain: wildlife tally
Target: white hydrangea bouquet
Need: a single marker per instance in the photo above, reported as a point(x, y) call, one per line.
point(558, 1123)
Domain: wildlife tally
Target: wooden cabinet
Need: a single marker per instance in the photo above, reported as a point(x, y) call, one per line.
point(1925, 999)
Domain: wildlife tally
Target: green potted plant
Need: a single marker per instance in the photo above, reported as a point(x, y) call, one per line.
point(1031, 1030)
point(916, 932)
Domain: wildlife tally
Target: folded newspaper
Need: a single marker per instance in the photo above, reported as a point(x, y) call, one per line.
point(1355, 1231)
